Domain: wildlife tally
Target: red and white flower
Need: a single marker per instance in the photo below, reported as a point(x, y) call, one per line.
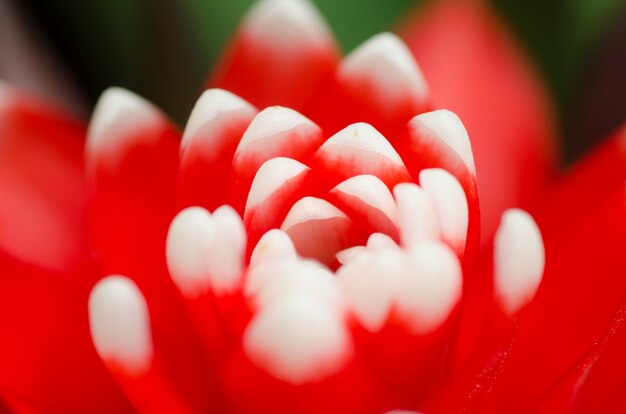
point(311, 241)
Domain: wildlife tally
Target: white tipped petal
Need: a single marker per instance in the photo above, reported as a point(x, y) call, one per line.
point(118, 115)
point(276, 131)
point(372, 191)
point(364, 138)
point(298, 339)
point(450, 203)
point(287, 23)
point(349, 254)
point(215, 109)
point(189, 242)
point(226, 257)
point(310, 208)
point(417, 218)
point(370, 283)
point(120, 325)
point(432, 287)
point(388, 66)
point(446, 126)
point(307, 276)
point(317, 228)
point(274, 245)
point(380, 241)
point(519, 260)
point(270, 177)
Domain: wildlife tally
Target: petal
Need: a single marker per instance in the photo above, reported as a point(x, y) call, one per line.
point(278, 184)
point(438, 139)
point(356, 150)
point(368, 202)
point(119, 322)
point(41, 184)
point(475, 69)
point(599, 173)
point(318, 229)
point(379, 83)
point(279, 56)
point(132, 168)
point(580, 291)
point(43, 318)
point(275, 132)
point(214, 129)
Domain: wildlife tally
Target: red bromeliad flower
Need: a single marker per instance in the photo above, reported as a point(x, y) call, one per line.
point(323, 255)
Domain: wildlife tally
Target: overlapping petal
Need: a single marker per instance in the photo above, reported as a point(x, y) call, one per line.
point(322, 255)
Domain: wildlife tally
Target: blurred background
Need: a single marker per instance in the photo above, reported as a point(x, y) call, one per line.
point(71, 50)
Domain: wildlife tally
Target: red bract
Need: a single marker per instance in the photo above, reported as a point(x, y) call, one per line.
point(319, 256)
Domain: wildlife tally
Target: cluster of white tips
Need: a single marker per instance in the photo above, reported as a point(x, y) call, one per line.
point(437, 209)
point(519, 260)
point(421, 284)
point(298, 333)
point(206, 252)
point(120, 325)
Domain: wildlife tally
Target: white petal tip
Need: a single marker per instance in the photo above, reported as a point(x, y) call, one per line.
point(417, 217)
point(370, 283)
point(385, 62)
point(298, 339)
point(519, 260)
point(450, 202)
point(118, 114)
point(310, 208)
point(273, 245)
point(380, 242)
point(287, 24)
point(270, 177)
point(446, 126)
point(317, 228)
point(432, 288)
point(371, 191)
point(349, 254)
point(364, 137)
point(188, 244)
point(226, 258)
point(271, 122)
point(211, 104)
point(120, 325)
